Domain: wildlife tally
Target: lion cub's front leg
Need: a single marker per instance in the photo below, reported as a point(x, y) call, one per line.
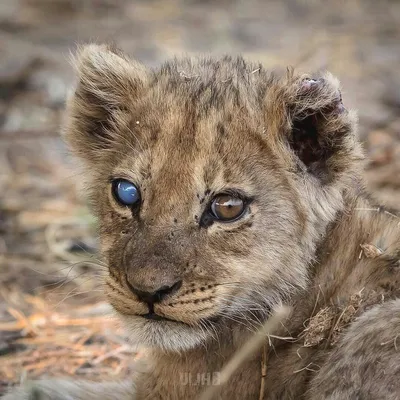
point(61, 389)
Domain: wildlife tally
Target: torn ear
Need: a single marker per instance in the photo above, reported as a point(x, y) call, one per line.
point(107, 83)
point(312, 123)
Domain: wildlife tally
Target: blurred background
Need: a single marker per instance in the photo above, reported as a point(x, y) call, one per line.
point(53, 318)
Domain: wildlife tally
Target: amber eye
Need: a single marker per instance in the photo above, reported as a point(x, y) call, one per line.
point(226, 207)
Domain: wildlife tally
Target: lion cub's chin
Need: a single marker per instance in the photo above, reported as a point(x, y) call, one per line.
point(163, 335)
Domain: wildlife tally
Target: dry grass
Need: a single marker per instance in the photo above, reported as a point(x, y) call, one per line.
point(82, 340)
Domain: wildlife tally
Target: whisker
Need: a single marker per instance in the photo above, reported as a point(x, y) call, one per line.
point(74, 295)
point(72, 290)
point(69, 266)
point(61, 283)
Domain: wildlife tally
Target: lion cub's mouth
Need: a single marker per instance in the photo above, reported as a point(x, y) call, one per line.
point(156, 317)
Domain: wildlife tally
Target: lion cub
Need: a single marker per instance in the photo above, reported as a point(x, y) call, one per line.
point(221, 192)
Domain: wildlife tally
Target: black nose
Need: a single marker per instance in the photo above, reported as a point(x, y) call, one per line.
point(157, 295)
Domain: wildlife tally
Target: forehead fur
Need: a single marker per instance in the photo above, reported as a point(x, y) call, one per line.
point(192, 102)
point(215, 83)
point(189, 104)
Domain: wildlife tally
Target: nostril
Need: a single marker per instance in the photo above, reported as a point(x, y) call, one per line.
point(157, 295)
point(168, 290)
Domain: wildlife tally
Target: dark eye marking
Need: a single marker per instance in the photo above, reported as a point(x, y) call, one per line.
point(126, 193)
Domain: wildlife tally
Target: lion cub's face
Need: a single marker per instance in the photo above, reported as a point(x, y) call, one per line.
point(212, 183)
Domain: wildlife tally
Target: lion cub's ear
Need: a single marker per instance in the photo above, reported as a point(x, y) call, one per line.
point(307, 118)
point(107, 84)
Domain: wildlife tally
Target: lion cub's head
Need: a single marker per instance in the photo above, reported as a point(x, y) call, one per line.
point(212, 181)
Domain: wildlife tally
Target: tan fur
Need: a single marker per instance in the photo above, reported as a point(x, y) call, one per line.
point(198, 127)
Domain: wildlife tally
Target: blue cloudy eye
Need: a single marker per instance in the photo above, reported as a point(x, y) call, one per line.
point(125, 192)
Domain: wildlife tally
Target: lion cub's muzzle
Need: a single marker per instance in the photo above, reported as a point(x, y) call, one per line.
point(157, 281)
point(180, 300)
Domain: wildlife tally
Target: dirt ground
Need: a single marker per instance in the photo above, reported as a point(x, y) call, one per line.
point(53, 318)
